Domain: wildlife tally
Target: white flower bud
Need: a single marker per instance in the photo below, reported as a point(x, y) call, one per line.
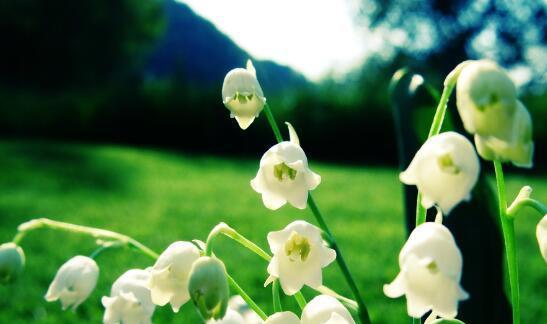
point(541, 233)
point(284, 175)
point(445, 170)
point(242, 95)
point(431, 266)
point(74, 282)
point(283, 318)
point(12, 262)
point(129, 300)
point(208, 287)
point(239, 305)
point(231, 317)
point(299, 254)
point(325, 309)
point(169, 275)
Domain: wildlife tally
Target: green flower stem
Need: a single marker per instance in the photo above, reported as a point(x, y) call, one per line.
point(103, 247)
point(508, 230)
point(435, 129)
point(529, 202)
point(300, 300)
point(246, 297)
point(363, 312)
point(96, 233)
point(275, 296)
point(273, 123)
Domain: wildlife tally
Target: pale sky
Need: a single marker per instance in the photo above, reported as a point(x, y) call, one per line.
point(315, 37)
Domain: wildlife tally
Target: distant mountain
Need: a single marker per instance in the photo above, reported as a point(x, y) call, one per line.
point(193, 49)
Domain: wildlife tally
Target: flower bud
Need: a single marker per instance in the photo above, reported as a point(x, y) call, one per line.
point(283, 318)
point(74, 282)
point(242, 95)
point(12, 262)
point(541, 233)
point(325, 309)
point(208, 287)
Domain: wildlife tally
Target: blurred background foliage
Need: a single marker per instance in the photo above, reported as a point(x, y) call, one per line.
point(149, 72)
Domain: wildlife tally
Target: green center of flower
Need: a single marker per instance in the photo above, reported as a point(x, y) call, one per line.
point(243, 98)
point(446, 163)
point(297, 247)
point(283, 172)
point(433, 267)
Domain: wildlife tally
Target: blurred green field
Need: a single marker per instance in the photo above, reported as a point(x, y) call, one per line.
point(158, 197)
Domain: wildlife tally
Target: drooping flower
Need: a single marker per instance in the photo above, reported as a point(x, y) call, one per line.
point(130, 300)
point(445, 170)
point(208, 287)
point(325, 309)
point(299, 254)
point(74, 282)
point(541, 233)
point(284, 175)
point(231, 317)
point(488, 106)
point(239, 305)
point(12, 262)
point(283, 318)
point(169, 276)
point(431, 266)
point(242, 95)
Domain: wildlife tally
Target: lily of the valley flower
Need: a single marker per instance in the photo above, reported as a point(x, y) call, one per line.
point(231, 317)
point(284, 175)
point(242, 95)
point(12, 262)
point(299, 254)
point(74, 282)
point(130, 300)
point(208, 287)
point(541, 233)
point(488, 105)
point(325, 309)
point(169, 276)
point(283, 318)
point(445, 170)
point(431, 266)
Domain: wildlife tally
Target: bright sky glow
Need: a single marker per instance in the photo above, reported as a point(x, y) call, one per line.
point(315, 37)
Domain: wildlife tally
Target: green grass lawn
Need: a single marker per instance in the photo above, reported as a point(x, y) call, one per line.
point(159, 197)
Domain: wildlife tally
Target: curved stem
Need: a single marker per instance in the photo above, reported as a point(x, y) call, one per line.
point(530, 202)
point(96, 233)
point(435, 129)
point(363, 312)
point(508, 230)
point(275, 297)
point(246, 297)
point(273, 123)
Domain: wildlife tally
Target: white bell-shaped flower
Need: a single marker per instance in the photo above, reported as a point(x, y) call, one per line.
point(488, 105)
point(231, 317)
point(130, 301)
point(299, 254)
point(541, 233)
point(431, 266)
point(283, 318)
point(445, 170)
point(242, 95)
point(239, 305)
point(284, 175)
point(519, 148)
point(486, 99)
point(325, 309)
point(74, 282)
point(169, 276)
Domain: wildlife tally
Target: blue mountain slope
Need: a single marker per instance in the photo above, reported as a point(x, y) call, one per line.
point(192, 49)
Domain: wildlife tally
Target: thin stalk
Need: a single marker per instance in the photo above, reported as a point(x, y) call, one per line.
point(300, 300)
point(96, 233)
point(275, 297)
point(273, 123)
point(508, 230)
point(363, 312)
point(530, 202)
point(246, 297)
point(435, 129)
